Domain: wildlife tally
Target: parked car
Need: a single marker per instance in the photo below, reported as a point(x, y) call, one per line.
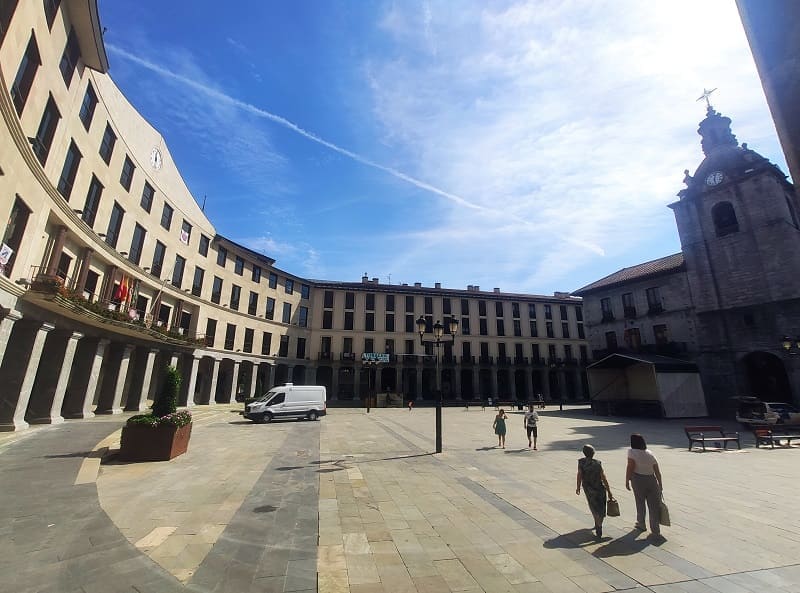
point(752, 411)
point(288, 401)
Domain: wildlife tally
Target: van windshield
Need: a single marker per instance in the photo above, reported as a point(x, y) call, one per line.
point(267, 396)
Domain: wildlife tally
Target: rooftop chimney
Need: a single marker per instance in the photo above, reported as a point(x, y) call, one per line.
point(364, 278)
point(375, 281)
point(438, 285)
point(417, 284)
point(495, 289)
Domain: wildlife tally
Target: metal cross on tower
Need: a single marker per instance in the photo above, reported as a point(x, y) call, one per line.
point(706, 94)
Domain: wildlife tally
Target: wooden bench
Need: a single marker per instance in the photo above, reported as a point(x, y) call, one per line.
point(769, 434)
point(710, 434)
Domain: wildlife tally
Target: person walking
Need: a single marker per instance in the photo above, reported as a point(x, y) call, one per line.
point(595, 486)
point(644, 475)
point(531, 422)
point(500, 428)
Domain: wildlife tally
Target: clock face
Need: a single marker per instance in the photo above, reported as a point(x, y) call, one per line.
point(714, 178)
point(155, 159)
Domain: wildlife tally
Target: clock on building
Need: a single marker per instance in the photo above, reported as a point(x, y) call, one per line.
point(156, 160)
point(714, 178)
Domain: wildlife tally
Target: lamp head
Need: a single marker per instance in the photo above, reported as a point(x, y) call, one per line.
point(786, 342)
point(421, 324)
point(438, 330)
point(453, 323)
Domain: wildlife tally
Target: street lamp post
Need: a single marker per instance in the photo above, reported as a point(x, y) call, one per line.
point(437, 342)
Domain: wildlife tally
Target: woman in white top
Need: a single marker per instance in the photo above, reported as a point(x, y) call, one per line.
point(643, 473)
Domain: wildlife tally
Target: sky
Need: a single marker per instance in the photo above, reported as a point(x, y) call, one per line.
point(529, 146)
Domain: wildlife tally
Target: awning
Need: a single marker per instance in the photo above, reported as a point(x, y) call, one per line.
point(663, 364)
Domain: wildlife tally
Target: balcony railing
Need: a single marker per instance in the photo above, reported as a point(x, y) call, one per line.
point(520, 360)
point(348, 356)
point(324, 356)
point(630, 312)
point(503, 360)
point(467, 360)
point(655, 309)
point(608, 316)
point(428, 359)
point(485, 360)
point(410, 359)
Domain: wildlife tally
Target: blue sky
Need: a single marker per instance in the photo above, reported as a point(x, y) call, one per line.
point(531, 146)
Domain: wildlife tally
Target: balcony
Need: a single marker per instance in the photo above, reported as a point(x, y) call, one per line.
point(429, 359)
point(348, 356)
point(655, 309)
point(485, 360)
point(520, 360)
point(607, 316)
point(449, 359)
point(629, 312)
point(467, 360)
point(324, 356)
point(503, 360)
point(410, 359)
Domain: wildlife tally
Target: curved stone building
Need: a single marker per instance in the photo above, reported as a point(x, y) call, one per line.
point(110, 271)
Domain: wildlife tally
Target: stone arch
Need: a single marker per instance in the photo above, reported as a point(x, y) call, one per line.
point(766, 377)
point(724, 217)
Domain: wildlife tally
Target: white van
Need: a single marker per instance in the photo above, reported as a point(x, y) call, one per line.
point(288, 401)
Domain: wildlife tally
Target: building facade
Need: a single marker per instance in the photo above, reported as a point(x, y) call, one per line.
point(110, 271)
point(734, 290)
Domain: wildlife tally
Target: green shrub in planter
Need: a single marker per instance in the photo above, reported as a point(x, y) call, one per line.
point(165, 407)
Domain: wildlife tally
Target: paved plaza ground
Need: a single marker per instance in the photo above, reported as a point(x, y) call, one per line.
point(357, 503)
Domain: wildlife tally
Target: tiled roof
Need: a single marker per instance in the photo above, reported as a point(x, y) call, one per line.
point(671, 263)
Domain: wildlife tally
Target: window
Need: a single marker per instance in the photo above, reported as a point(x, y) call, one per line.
point(390, 302)
point(446, 307)
point(248, 340)
point(266, 343)
point(409, 304)
point(428, 305)
point(202, 248)
point(288, 287)
point(211, 330)
point(328, 299)
point(660, 334)
point(551, 352)
point(515, 310)
point(159, 253)
point(563, 311)
point(50, 11)
point(534, 329)
point(579, 313)
point(584, 353)
point(549, 328)
point(87, 107)
point(270, 311)
point(409, 347)
point(137, 243)
point(327, 320)
point(222, 256)
point(535, 354)
point(348, 320)
point(628, 307)
point(21, 87)
point(532, 310)
point(517, 327)
point(177, 272)
point(464, 307)
point(465, 330)
point(92, 202)
point(369, 321)
point(483, 329)
point(498, 308)
point(238, 266)
point(410, 324)
point(47, 129)
point(283, 348)
point(305, 291)
point(301, 348)
point(236, 295)
point(147, 197)
point(548, 312)
point(69, 170)
point(216, 290)
point(605, 307)
point(273, 280)
point(654, 301)
point(466, 352)
point(186, 232)
point(302, 316)
point(389, 322)
point(69, 59)
point(287, 313)
point(388, 346)
point(724, 217)
point(568, 353)
point(107, 144)
point(501, 327)
point(349, 300)
point(126, 177)
point(564, 329)
point(252, 304)
point(482, 308)
point(197, 283)
point(114, 225)
point(581, 332)
point(166, 216)
point(256, 276)
point(15, 232)
point(230, 336)
point(632, 338)
point(370, 304)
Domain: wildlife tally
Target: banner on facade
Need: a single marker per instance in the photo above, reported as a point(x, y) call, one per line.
point(374, 357)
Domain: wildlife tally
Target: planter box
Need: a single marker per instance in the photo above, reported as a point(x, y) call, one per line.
point(161, 443)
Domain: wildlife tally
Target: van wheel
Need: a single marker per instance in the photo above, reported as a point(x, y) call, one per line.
point(267, 417)
point(312, 415)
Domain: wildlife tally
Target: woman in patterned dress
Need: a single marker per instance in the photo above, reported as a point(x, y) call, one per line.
point(593, 479)
point(500, 428)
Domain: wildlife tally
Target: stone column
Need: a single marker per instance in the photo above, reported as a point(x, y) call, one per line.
point(311, 375)
point(6, 325)
point(234, 382)
point(175, 359)
point(141, 380)
point(476, 383)
point(493, 375)
point(82, 386)
point(529, 385)
point(253, 379)
point(212, 386)
point(419, 382)
point(456, 374)
point(108, 293)
point(22, 368)
point(80, 285)
point(334, 383)
point(51, 382)
point(191, 371)
point(114, 377)
point(58, 249)
point(512, 382)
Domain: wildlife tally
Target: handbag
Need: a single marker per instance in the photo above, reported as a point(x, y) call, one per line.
point(612, 508)
point(663, 513)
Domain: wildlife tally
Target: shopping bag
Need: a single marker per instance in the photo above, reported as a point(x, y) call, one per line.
point(663, 513)
point(612, 508)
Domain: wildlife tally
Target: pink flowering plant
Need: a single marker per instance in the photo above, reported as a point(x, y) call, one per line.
point(165, 409)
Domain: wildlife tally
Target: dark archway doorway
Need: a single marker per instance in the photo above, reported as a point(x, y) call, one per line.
point(766, 377)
